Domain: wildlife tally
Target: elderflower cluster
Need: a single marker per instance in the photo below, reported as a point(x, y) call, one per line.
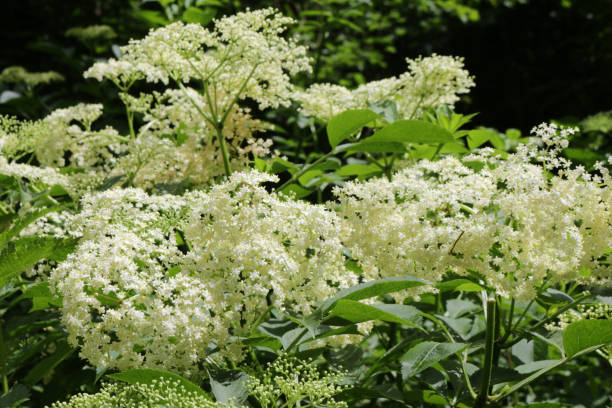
point(134, 296)
point(16, 75)
point(92, 33)
point(296, 382)
point(244, 55)
point(430, 82)
point(46, 176)
point(158, 393)
point(64, 138)
point(582, 312)
point(511, 222)
point(175, 144)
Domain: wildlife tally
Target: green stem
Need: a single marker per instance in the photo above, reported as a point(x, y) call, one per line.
point(130, 119)
point(305, 169)
point(487, 366)
point(546, 320)
point(562, 310)
point(226, 160)
point(5, 386)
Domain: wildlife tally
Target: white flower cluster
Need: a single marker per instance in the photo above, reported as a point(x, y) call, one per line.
point(430, 82)
point(296, 382)
point(175, 144)
point(159, 393)
point(512, 222)
point(245, 55)
point(47, 176)
point(92, 33)
point(132, 298)
point(16, 75)
point(64, 138)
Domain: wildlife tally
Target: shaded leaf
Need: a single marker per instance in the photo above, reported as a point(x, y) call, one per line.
point(426, 354)
point(347, 123)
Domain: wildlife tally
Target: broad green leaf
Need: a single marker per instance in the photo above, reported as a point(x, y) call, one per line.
point(40, 370)
point(155, 18)
point(534, 366)
point(348, 358)
point(358, 170)
point(369, 146)
point(554, 296)
point(347, 123)
point(386, 108)
point(199, 16)
point(42, 297)
point(26, 220)
point(24, 252)
point(411, 131)
point(229, 384)
point(296, 190)
point(465, 327)
point(524, 350)
point(147, 376)
point(460, 284)
point(426, 354)
point(585, 334)
point(374, 288)
point(16, 395)
point(357, 312)
point(478, 137)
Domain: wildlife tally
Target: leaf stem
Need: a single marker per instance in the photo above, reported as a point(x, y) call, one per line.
point(487, 366)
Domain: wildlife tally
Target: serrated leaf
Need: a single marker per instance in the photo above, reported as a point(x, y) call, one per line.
point(147, 376)
point(426, 354)
point(16, 395)
point(585, 334)
point(411, 131)
point(374, 288)
point(357, 312)
point(347, 123)
point(18, 255)
point(40, 370)
point(199, 16)
point(229, 385)
point(26, 220)
point(358, 170)
point(369, 146)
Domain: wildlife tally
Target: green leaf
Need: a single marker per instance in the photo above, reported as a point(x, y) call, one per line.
point(296, 190)
point(367, 146)
point(229, 384)
point(386, 108)
point(585, 334)
point(155, 18)
point(534, 366)
point(411, 131)
point(374, 288)
point(40, 370)
point(358, 170)
point(426, 354)
point(357, 312)
point(478, 137)
point(199, 16)
point(460, 284)
point(23, 253)
point(16, 395)
point(26, 220)
point(42, 297)
point(147, 376)
point(345, 124)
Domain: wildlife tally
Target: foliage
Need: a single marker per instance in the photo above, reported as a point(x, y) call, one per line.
point(173, 253)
